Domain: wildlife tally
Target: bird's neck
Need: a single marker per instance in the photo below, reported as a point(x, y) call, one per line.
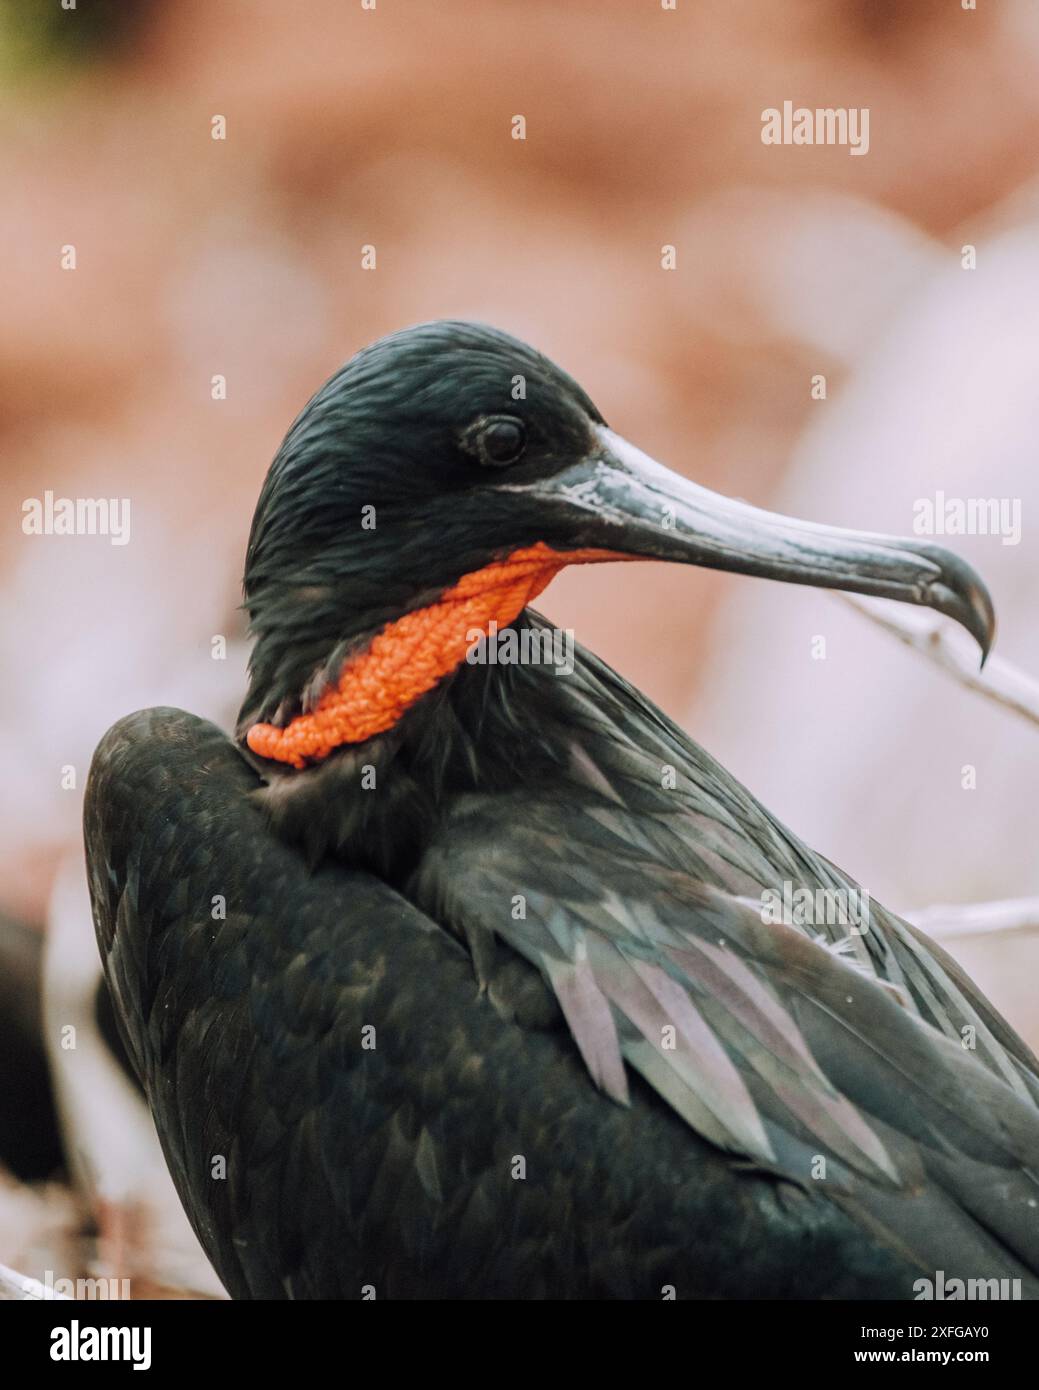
point(410, 656)
point(375, 805)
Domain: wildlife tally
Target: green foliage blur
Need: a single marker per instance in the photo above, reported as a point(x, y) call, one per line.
point(41, 37)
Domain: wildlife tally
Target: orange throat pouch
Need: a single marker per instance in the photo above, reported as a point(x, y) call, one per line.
point(409, 656)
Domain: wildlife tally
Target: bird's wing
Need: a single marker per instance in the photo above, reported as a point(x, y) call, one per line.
point(671, 803)
point(771, 1046)
point(340, 1109)
point(630, 878)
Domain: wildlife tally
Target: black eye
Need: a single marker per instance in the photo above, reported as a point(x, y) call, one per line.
point(499, 440)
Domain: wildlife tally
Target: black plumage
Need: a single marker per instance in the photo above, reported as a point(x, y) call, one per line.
point(509, 1022)
point(30, 1138)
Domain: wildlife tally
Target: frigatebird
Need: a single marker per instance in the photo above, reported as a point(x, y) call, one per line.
point(450, 976)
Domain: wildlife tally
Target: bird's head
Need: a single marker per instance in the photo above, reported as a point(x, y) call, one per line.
point(437, 482)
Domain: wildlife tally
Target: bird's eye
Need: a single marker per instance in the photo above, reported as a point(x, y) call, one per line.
point(499, 440)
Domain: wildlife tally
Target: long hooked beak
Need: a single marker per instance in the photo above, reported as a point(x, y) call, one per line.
point(620, 498)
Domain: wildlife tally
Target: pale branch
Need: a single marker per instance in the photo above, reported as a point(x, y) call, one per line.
point(15, 1287)
point(1007, 917)
point(1001, 681)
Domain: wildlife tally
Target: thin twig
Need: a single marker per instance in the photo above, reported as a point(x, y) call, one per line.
point(1001, 681)
point(1008, 917)
point(19, 1287)
point(1004, 684)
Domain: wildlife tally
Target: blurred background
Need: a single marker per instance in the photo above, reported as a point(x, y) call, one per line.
point(390, 127)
